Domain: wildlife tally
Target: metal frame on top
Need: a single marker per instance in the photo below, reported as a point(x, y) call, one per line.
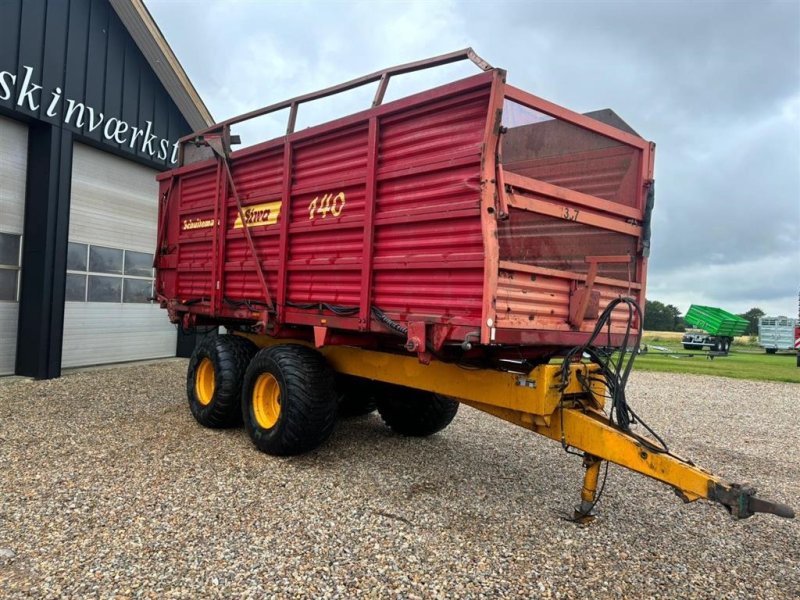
point(383, 76)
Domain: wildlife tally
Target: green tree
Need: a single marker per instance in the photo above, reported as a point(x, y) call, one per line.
point(662, 317)
point(753, 315)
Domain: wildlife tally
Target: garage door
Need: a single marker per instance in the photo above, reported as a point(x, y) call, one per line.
point(108, 316)
point(13, 166)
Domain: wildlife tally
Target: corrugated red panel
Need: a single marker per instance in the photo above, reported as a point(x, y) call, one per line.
point(195, 256)
point(434, 132)
point(310, 217)
point(193, 284)
point(198, 189)
point(331, 158)
point(439, 292)
point(446, 189)
point(430, 218)
point(337, 287)
point(243, 284)
point(536, 301)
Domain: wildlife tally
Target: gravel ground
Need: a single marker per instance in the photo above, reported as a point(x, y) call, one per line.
point(108, 488)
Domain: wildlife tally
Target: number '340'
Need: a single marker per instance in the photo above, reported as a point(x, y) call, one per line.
point(327, 204)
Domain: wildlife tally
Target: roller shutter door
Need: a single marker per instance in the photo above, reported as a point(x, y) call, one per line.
point(112, 231)
point(13, 167)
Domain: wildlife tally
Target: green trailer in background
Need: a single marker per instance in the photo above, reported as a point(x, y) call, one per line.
point(713, 328)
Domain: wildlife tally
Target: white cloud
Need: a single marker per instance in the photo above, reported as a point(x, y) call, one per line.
point(770, 283)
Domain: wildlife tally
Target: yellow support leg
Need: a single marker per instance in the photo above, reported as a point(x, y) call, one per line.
point(592, 433)
point(584, 512)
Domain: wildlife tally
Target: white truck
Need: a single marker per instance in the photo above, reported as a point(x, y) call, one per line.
point(776, 333)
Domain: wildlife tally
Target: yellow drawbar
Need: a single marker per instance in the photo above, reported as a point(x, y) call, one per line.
point(571, 412)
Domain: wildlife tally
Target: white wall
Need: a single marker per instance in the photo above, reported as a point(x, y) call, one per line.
point(13, 169)
point(115, 204)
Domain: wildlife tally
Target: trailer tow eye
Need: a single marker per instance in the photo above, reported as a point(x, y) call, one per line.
point(740, 500)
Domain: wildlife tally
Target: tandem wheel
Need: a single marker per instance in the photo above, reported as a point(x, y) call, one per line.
point(214, 380)
point(413, 412)
point(288, 403)
point(357, 395)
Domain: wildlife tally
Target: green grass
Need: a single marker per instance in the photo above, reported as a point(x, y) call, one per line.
point(745, 361)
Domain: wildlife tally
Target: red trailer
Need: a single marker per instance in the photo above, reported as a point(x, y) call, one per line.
point(433, 210)
point(445, 245)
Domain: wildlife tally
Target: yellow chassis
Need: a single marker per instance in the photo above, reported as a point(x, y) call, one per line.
point(538, 401)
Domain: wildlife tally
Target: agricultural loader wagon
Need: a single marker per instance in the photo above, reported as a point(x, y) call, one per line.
point(467, 244)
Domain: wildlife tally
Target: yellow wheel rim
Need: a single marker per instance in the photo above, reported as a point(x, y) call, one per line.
point(266, 400)
point(204, 382)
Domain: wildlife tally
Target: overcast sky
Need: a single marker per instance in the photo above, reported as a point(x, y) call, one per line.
point(715, 84)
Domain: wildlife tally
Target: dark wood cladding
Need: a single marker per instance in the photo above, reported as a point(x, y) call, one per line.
point(75, 50)
point(82, 48)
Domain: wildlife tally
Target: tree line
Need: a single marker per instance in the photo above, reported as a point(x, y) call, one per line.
point(666, 317)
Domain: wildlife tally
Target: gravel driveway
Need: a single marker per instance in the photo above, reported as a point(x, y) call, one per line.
point(109, 488)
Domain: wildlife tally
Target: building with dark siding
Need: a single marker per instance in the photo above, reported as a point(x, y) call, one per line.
point(92, 102)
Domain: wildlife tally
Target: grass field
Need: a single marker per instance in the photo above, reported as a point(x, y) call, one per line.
point(745, 361)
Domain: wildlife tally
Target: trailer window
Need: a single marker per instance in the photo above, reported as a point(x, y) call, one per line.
point(560, 153)
point(570, 160)
point(517, 115)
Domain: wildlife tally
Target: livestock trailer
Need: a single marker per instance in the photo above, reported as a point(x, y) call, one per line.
point(469, 243)
point(777, 333)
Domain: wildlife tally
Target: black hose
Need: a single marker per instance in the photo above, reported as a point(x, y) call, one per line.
point(615, 373)
point(381, 316)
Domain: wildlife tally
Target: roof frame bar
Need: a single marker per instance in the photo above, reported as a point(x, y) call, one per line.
point(382, 76)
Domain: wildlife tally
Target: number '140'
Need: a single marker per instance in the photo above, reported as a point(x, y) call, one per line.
point(327, 204)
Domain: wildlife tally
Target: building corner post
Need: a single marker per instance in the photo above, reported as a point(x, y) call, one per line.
point(44, 253)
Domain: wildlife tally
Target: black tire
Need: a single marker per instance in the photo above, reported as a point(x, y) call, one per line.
point(413, 412)
point(689, 347)
point(306, 400)
point(771, 350)
point(357, 396)
point(215, 403)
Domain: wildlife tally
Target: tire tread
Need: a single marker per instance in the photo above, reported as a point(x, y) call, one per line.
point(230, 354)
point(308, 407)
point(416, 413)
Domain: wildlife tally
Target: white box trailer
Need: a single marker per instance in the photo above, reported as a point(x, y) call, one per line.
point(776, 333)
